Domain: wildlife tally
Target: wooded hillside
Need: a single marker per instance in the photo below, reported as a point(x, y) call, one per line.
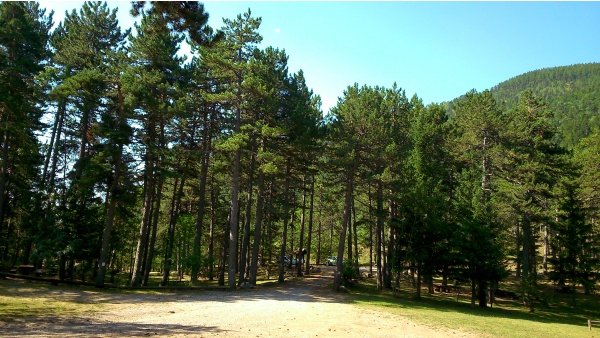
point(571, 92)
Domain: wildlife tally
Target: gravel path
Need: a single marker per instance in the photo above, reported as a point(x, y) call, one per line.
point(301, 308)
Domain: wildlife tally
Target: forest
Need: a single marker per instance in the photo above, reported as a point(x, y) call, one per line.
point(120, 159)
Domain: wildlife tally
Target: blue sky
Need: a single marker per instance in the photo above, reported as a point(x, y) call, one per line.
point(438, 50)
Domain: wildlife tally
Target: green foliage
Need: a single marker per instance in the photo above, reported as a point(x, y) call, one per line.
point(571, 92)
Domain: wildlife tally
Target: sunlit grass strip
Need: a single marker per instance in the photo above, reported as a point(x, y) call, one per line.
point(506, 319)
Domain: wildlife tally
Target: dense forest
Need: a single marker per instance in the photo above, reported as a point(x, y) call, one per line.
point(121, 158)
point(571, 92)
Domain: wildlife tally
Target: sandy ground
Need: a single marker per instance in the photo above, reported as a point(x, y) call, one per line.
point(301, 308)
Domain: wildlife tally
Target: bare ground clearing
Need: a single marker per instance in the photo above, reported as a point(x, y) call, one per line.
point(301, 308)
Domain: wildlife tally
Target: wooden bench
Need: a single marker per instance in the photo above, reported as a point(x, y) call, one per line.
point(590, 322)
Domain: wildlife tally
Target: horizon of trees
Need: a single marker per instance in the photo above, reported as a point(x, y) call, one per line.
point(120, 156)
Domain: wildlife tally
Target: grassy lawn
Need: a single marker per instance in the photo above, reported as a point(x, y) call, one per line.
point(25, 300)
point(563, 316)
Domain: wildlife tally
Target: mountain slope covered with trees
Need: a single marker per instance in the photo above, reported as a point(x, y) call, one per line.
point(571, 92)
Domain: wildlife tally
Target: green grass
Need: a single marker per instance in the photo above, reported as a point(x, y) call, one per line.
point(562, 317)
point(32, 300)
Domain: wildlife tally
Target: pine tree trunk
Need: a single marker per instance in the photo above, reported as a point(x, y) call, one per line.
point(310, 225)
point(201, 197)
point(356, 267)
point(390, 249)
point(337, 280)
point(301, 234)
point(518, 256)
point(248, 219)
point(3, 177)
point(175, 210)
point(379, 236)
point(286, 210)
point(370, 233)
point(234, 212)
point(155, 217)
point(136, 278)
point(224, 251)
point(211, 238)
point(257, 227)
point(113, 195)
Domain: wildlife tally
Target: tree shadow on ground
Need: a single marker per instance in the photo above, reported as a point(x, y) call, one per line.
point(86, 327)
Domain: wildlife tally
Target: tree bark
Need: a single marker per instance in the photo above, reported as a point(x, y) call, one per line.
point(136, 278)
point(113, 195)
point(379, 236)
point(286, 210)
point(201, 197)
point(246, 239)
point(337, 280)
point(301, 234)
point(156, 211)
point(310, 225)
point(257, 227)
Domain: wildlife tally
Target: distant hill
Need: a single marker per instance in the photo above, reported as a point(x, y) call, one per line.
point(572, 92)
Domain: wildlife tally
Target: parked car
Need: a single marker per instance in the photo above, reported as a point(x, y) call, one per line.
point(331, 260)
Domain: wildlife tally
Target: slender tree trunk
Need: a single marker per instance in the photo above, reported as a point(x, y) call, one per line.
point(379, 236)
point(211, 239)
point(113, 195)
point(518, 256)
point(136, 278)
point(390, 245)
point(349, 230)
point(337, 280)
point(201, 197)
point(3, 177)
point(257, 227)
point(224, 251)
point(175, 210)
point(301, 240)
point(248, 218)
point(234, 211)
point(320, 227)
point(154, 229)
point(370, 233)
point(419, 279)
point(310, 225)
point(356, 266)
point(286, 210)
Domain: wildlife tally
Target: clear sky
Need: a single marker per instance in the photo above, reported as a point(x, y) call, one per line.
point(438, 50)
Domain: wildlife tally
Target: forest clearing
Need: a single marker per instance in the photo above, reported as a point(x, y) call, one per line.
point(153, 156)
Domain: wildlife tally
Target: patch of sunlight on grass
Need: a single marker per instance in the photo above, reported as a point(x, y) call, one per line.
point(506, 319)
point(26, 306)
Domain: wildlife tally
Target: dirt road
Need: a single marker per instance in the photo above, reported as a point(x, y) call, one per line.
point(301, 308)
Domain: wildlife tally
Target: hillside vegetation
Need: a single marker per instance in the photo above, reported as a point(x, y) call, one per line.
point(571, 92)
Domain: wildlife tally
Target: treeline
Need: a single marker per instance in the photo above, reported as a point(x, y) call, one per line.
point(120, 156)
